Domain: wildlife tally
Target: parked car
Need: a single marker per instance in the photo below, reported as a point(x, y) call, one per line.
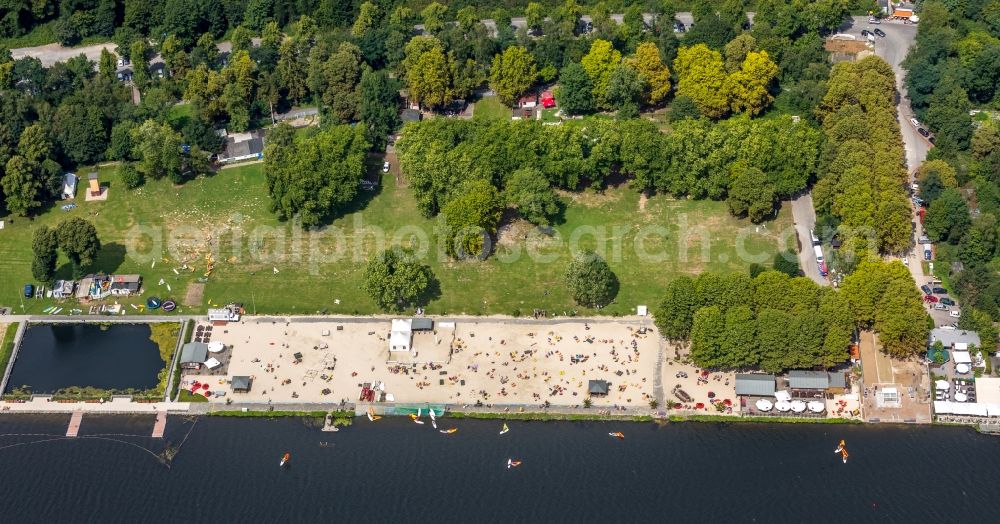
point(940, 291)
point(947, 301)
point(874, 20)
point(906, 261)
point(955, 313)
point(865, 33)
point(923, 132)
point(914, 122)
point(940, 307)
point(931, 299)
point(385, 167)
point(926, 289)
point(879, 32)
point(29, 290)
point(813, 237)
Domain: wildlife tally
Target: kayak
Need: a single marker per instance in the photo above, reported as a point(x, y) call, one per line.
point(284, 460)
point(618, 435)
point(505, 429)
point(449, 431)
point(513, 463)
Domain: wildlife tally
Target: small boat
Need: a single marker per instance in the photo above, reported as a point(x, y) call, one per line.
point(449, 431)
point(513, 463)
point(284, 460)
point(434, 420)
point(842, 449)
point(505, 429)
point(617, 435)
point(416, 419)
point(371, 415)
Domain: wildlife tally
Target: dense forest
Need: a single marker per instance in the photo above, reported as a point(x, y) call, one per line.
point(953, 74)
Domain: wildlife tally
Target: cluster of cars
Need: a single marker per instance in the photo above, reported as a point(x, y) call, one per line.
point(921, 129)
point(870, 35)
point(943, 303)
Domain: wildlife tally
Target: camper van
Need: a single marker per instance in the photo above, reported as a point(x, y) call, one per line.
point(819, 260)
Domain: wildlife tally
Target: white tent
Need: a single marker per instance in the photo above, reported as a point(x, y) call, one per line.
point(764, 404)
point(798, 406)
point(212, 363)
point(782, 395)
point(943, 385)
point(961, 357)
point(215, 347)
point(816, 406)
point(782, 405)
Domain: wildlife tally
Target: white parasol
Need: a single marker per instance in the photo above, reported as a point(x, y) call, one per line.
point(764, 404)
point(816, 406)
point(962, 368)
point(961, 397)
point(215, 347)
point(798, 406)
point(783, 395)
point(212, 363)
point(782, 405)
point(943, 385)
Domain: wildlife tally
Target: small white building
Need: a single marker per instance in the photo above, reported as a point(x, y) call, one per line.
point(401, 336)
point(69, 186)
point(63, 288)
point(230, 313)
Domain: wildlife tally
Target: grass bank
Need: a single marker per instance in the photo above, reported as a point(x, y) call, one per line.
point(761, 420)
point(164, 335)
point(274, 414)
point(547, 416)
point(7, 346)
point(187, 396)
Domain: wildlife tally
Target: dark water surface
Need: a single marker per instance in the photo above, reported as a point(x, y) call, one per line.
point(55, 356)
point(395, 471)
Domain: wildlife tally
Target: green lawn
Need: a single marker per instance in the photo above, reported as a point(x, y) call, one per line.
point(155, 230)
point(490, 108)
point(7, 345)
point(42, 35)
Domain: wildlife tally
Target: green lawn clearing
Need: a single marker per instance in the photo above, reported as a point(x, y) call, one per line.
point(170, 233)
point(490, 108)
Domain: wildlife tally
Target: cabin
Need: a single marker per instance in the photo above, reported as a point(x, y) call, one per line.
point(597, 388)
point(69, 186)
point(125, 285)
point(241, 147)
point(421, 324)
point(755, 385)
point(193, 355)
point(63, 289)
point(401, 335)
point(230, 313)
point(241, 384)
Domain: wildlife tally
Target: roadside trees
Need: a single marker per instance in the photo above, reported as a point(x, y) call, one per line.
point(512, 74)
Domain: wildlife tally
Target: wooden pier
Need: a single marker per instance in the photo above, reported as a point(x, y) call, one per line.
point(74, 424)
point(161, 424)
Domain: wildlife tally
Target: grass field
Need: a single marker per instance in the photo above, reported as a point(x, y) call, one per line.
point(490, 108)
point(42, 35)
point(275, 267)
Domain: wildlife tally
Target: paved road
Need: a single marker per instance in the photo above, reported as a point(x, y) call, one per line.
point(49, 54)
point(804, 216)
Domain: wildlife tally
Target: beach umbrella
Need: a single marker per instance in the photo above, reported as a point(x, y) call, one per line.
point(711, 394)
point(962, 368)
point(961, 397)
point(727, 402)
point(782, 405)
point(942, 385)
point(816, 406)
point(699, 405)
point(764, 404)
point(798, 406)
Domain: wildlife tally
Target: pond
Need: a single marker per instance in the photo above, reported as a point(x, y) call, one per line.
point(115, 356)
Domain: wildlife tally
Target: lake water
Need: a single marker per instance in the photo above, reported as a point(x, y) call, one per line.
point(118, 356)
point(395, 471)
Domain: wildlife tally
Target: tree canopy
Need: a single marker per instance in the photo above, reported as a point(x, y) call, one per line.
point(395, 280)
point(590, 280)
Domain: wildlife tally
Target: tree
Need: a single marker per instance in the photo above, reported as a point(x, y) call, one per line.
point(750, 193)
point(108, 65)
point(599, 63)
point(737, 50)
point(258, 13)
point(947, 217)
point(534, 15)
point(652, 72)
point(471, 218)
point(748, 88)
point(701, 77)
point(242, 39)
point(368, 16)
point(948, 115)
point(428, 73)
point(512, 74)
point(129, 176)
point(379, 110)
point(138, 55)
point(22, 189)
point(157, 147)
point(624, 91)
point(590, 280)
point(43, 246)
point(675, 312)
point(336, 81)
point(433, 17)
point(575, 90)
point(946, 175)
point(684, 108)
point(786, 262)
point(708, 335)
point(394, 279)
point(78, 240)
point(314, 177)
point(529, 192)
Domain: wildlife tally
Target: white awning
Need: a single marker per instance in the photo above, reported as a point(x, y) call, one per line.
point(961, 357)
point(783, 396)
point(212, 363)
